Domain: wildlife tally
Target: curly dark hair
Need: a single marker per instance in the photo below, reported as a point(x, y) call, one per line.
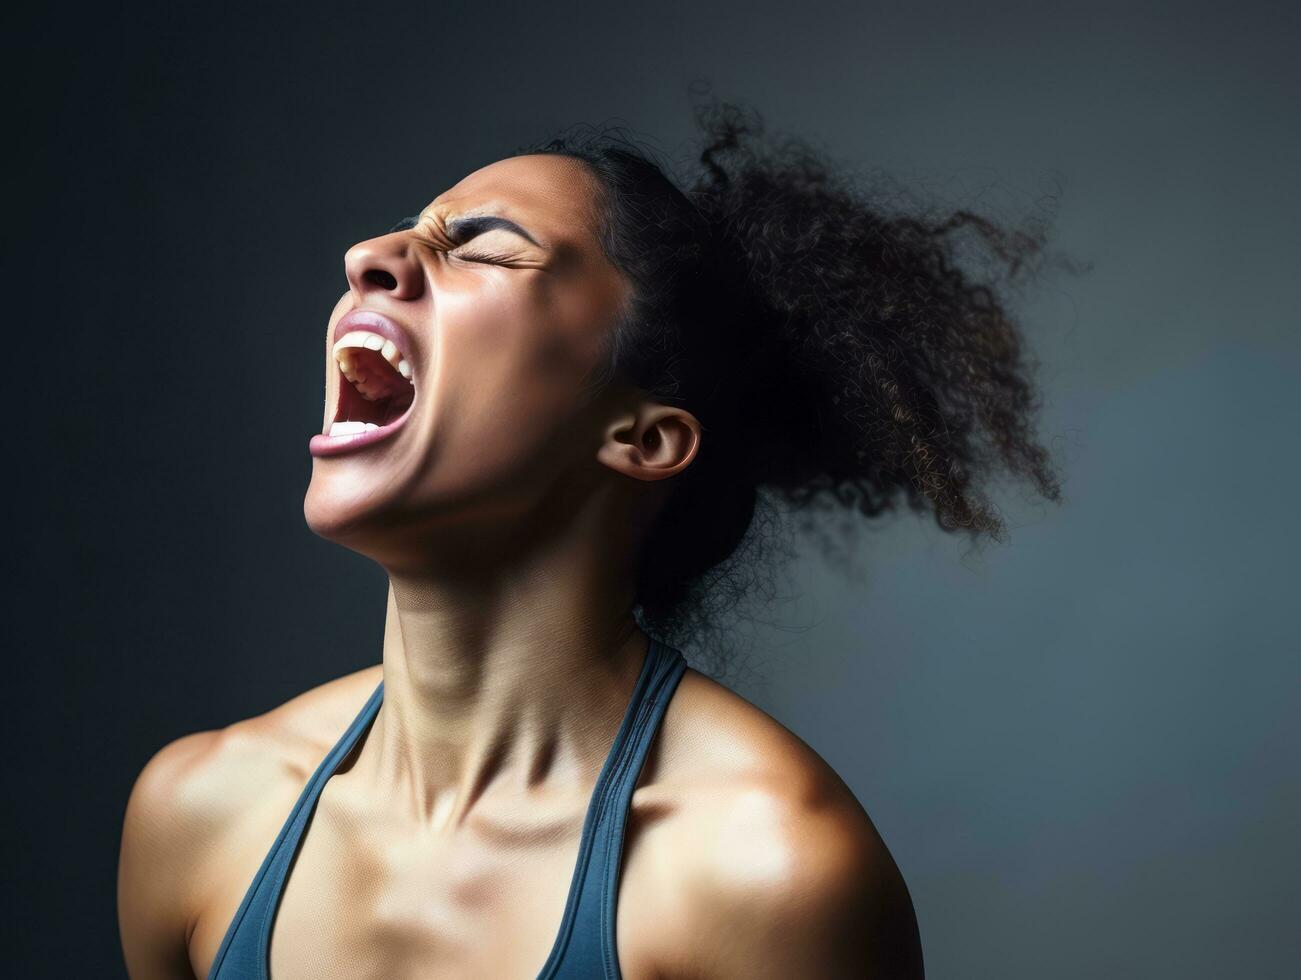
point(835, 352)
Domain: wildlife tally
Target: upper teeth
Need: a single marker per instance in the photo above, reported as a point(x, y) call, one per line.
point(371, 341)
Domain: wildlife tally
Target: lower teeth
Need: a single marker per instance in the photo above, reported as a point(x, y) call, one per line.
point(351, 428)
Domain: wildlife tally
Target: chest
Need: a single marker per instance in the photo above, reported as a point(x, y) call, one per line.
point(365, 901)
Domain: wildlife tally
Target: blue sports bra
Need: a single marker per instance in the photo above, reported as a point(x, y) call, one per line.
point(584, 948)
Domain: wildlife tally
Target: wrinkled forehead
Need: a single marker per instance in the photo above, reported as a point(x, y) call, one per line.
point(554, 196)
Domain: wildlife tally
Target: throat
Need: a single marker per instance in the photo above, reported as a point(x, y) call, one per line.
point(446, 754)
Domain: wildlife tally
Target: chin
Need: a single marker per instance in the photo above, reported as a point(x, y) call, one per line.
point(337, 515)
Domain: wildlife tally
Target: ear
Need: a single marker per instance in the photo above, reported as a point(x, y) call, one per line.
point(650, 442)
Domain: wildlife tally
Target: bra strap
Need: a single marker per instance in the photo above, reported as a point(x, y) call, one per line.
point(243, 949)
point(586, 945)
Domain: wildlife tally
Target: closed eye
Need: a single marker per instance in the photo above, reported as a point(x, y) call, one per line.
point(466, 229)
point(406, 224)
point(477, 256)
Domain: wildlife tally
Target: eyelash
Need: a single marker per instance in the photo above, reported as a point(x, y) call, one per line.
point(471, 256)
point(475, 256)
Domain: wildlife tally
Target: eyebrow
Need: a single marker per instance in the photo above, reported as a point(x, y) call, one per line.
point(467, 227)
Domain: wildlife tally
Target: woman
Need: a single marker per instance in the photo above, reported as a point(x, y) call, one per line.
point(552, 402)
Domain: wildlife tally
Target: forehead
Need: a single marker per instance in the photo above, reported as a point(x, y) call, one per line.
point(553, 196)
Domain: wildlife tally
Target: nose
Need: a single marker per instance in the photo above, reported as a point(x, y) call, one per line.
point(385, 265)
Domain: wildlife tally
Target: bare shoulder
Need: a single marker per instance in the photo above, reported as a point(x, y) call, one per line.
point(197, 800)
point(204, 779)
point(778, 870)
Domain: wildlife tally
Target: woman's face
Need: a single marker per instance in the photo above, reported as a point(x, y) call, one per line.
point(500, 330)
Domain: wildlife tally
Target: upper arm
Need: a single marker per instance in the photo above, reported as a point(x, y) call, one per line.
point(162, 836)
point(848, 910)
point(810, 892)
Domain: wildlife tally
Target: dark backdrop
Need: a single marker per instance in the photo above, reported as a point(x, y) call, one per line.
point(1081, 746)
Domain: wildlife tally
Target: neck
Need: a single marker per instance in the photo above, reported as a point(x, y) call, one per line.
point(496, 686)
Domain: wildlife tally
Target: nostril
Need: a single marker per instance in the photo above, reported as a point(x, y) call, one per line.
point(378, 277)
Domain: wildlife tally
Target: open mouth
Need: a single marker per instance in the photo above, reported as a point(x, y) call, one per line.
point(375, 386)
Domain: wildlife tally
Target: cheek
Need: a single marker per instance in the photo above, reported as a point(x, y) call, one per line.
point(509, 375)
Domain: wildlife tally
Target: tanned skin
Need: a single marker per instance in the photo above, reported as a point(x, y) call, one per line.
point(506, 513)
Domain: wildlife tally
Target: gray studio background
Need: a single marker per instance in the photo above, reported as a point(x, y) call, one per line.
point(1081, 745)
